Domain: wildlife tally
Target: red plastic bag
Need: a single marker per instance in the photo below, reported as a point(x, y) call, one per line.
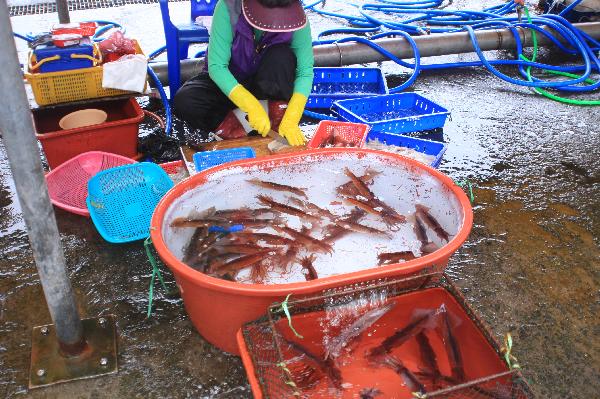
point(116, 45)
point(231, 128)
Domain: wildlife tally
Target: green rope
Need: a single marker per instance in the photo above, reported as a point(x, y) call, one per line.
point(155, 272)
point(467, 184)
point(284, 307)
point(507, 349)
point(288, 377)
point(570, 75)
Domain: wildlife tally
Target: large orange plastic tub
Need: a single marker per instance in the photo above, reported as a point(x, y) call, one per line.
point(118, 135)
point(218, 308)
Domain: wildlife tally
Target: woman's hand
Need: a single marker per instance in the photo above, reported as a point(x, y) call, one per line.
point(288, 127)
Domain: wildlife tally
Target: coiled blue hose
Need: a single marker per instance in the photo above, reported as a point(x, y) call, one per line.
point(422, 17)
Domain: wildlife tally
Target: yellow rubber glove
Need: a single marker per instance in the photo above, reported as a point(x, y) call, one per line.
point(289, 124)
point(257, 117)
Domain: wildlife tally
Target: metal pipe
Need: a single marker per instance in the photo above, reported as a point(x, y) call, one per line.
point(62, 7)
point(19, 139)
point(434, 45)
point(429, 46)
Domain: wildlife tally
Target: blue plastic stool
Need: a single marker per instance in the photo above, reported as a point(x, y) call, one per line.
point(180, 36)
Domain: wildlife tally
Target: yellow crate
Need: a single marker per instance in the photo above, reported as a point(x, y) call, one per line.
point(72, 85)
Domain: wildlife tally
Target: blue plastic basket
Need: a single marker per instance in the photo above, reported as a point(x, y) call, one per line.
point(425, 146)
point(330, 84)
point(208, 159)
point(121, 200)
point(394, 113)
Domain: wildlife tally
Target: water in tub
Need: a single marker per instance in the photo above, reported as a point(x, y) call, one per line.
point(379, 236)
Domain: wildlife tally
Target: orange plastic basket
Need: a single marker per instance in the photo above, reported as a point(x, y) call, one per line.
point(270, 349)
point(72, 85)
point(352, 134)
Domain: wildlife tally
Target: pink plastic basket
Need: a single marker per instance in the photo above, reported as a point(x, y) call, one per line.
point(354, 134)
point(68, 183)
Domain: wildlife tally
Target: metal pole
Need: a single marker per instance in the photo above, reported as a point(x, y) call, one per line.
point(430, 45)
point(62, 7)
point(19, 139)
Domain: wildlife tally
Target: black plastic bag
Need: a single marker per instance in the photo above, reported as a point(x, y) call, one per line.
point(159, 148)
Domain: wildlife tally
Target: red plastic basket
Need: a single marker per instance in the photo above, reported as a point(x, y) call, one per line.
point(68, 183)
point(353, 133)
point(278, 370)
point(118, 135)
point(172, 167)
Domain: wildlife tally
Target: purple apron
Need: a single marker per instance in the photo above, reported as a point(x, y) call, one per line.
point(245, 53)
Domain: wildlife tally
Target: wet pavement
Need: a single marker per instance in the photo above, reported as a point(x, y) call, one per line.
point(530, 265)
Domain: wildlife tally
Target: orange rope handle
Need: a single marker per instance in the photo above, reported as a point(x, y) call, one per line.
point(35, 66)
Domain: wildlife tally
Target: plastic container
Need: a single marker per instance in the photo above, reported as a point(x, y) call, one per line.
point(118, 135)
point(66, 39)
point(394, 113)
point(352, 133)
point(69, 86)
point(486, 375)
point(50, 58)
point(330, 84)
point(428, 147)
point(176, 170)
point(121, 200)
point(83, 117)
point(218, 308)
point(172, 167)
point(208, 159)
point(80, 28)
point(68, 183)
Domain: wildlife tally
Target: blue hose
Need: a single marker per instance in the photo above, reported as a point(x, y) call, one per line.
point(417, 17)
point(416, 66)
point(568, 9)
point(165, 100)
point(157, 52)
point(23, 37)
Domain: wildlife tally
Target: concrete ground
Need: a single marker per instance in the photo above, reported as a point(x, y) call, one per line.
point(530, 266)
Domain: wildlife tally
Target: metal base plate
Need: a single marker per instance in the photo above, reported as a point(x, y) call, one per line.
point(49, 366)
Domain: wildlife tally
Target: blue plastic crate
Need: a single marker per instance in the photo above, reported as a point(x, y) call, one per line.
point(330, 84)
point(394, 113)
point(121, 200)
point(425, 146)
point(208, 159)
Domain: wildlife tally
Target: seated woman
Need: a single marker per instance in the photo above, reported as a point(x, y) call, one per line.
point(258, 49)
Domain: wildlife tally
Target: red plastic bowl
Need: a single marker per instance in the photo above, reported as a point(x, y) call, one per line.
point(218, 308)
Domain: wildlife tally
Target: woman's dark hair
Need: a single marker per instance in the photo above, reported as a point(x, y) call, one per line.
point(276, 3)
